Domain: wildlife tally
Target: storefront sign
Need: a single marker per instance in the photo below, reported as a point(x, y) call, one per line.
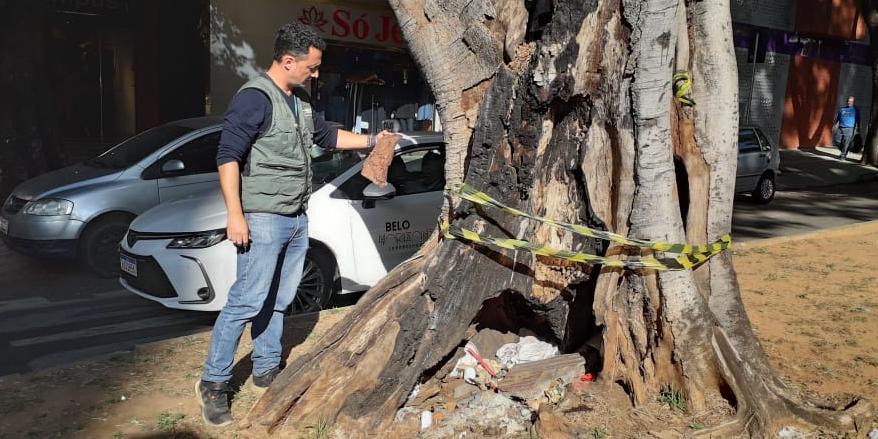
point(346, 24)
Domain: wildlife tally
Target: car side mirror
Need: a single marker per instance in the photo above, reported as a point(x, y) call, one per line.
point(173, 167)
point(373, 193)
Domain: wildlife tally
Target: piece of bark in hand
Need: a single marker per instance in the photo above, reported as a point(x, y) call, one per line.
point(376, 165)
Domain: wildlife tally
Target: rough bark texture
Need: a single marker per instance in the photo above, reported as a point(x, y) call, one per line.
point(581, 125)
point(869, 9)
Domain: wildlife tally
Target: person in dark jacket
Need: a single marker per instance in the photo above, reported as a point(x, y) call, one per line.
point(265, 174)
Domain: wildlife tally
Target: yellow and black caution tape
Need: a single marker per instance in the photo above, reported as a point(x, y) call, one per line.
point(683, 262)
point(681, 84)
point(690, 255)
point(467, 192)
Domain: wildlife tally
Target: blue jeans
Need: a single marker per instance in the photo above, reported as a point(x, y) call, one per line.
point(269, 273)
point(847, 137)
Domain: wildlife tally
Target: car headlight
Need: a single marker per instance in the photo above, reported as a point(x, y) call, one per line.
point(49, 207)
point(199, 239)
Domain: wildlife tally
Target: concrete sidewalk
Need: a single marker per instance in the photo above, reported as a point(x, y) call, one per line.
point(819, 167)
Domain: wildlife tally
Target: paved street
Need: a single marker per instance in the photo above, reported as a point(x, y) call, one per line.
point(54, 312)
point(37, 333)
point(801, 211)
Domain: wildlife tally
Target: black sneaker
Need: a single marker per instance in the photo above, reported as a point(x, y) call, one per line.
point(214, 401)
point(263, 381)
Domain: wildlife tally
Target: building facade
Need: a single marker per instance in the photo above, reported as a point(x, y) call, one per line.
point(367, 75)
point(798, 61)
point(79, 75)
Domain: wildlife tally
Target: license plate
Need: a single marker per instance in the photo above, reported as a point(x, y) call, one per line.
point(129, 265)
point(4, 226)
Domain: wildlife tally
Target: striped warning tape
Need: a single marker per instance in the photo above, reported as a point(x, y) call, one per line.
point(690, 255)
point(681, 84)
point(467, 192)
point(683, 262)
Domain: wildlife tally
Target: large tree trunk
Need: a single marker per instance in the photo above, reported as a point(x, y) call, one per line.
point(580, 125)
point(869, 10)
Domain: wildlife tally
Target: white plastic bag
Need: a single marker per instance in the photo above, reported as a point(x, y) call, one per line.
point(527, 349)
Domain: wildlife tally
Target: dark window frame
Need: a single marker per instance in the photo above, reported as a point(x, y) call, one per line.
point(352, 188)
point(154, 171)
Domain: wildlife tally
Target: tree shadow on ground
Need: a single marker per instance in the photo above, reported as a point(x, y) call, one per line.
point(805, 210)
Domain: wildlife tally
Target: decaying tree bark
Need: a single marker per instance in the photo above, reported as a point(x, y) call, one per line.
point(579, 124)
point(869, 9)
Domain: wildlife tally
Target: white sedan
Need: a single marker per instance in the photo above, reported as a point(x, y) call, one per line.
point(176, 253)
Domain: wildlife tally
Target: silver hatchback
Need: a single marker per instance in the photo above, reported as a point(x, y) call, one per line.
point(758, 165)
point(84, 210)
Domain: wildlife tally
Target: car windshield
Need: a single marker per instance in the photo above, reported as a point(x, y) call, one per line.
point(134, 149)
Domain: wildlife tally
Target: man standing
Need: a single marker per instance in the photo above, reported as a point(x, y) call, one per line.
point(268, 127)
point(847, 122)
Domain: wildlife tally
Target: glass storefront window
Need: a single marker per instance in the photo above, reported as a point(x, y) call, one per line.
point(367, 89)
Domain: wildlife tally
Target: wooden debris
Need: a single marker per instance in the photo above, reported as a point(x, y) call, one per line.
point(530, 380)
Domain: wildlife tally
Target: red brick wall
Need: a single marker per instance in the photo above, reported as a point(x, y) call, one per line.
point(809, 108)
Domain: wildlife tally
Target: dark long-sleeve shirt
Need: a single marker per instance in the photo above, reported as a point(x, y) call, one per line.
point(249, 116)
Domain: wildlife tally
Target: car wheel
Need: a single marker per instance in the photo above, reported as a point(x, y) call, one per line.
point(318, 283)
point(99, 244)
point(765, 189)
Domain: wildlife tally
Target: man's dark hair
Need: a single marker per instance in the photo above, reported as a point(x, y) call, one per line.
point(296, 39)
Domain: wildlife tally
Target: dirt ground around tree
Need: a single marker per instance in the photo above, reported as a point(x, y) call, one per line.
point(812, 299)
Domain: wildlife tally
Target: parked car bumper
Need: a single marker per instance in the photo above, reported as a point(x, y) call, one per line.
point(43, 248)
point(36, 227)
point(175, 278)
point(43, 237)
